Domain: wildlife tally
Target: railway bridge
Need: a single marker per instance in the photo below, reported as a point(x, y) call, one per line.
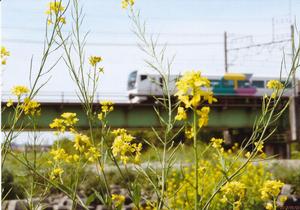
point(231, 115)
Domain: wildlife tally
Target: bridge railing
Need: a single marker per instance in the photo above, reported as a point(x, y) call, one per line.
point(70, 97)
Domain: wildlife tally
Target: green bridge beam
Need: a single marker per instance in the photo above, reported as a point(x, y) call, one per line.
point(224, 115)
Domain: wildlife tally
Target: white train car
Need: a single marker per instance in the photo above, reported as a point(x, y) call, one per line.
point(143, 86)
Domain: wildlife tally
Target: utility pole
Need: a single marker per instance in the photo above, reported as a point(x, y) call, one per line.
point(225, 52)
point(292, 105)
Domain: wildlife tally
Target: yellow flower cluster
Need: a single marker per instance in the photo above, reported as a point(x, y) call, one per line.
point(126, 3)
point(55, 173)
point(3, 55)
point(181, 115)
point(94, 60)
point(106, 107)
point(233, 192)
point(180, 185)
point(275, 84)
point(271, 189)
point(123, 147)
point(217, 143)
point(67, 121)
point(194, 89)
point(118, 199)
point(55, 9)
point(189, 133)
point(203, 116)
point(31, 107)
point(19, 90)
point(259, 146)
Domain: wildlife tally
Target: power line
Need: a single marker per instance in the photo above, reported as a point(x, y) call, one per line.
point(28, 41)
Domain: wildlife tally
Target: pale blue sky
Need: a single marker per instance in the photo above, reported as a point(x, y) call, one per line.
point(190, 21)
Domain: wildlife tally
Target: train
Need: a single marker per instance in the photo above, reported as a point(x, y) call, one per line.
point(143, 86)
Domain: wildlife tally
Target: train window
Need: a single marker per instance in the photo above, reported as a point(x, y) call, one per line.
point(214, 82)
point(228, 83)
point(289, 84)
point(143, 77)
point(258, 83)
point(244, 83)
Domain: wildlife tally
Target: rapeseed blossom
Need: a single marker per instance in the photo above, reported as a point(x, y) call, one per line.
point(55, 173)
point(81, 142)
point(3, 55)
point(118, 199)
point(259, 146)
point(31, 107)
point(59, 154)
point(107, 106)
point(217, 143)
point(126, 3)
point(94, 60)
point(55, 9)
point(19, 90)
point(203, 116)
point(122, 146)
point(233, 192)
point(181, 115)
point(9, 103)
point(193, 89)
point(67, 121)
point(92, 154)
point(276, 86)
point(271, 189)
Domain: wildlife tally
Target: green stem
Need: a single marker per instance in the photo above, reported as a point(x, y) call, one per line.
point(195, 158)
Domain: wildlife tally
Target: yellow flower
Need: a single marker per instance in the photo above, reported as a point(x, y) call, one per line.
point(94, 60)
point(3, 55)
point(70, 118)
point(181, 115)
point(275, 84)
point(92, 154)
point(217, 143)
point(126, 3)
point(189, 133)
point(271, 189)
point(269, 206)
point(55, 8)
point(100, 116)
point(31, 107)
point(203, 113)
point(56, 172)
point(67, 120)
point(123, 148)
point(118, 199)
point(59, 154)
point(81, 142)
point(193, 89)
point(247, 155)
point(19, 90)
point(9, 103)
point(107, 106)
point(234, 192)
point(259, 146)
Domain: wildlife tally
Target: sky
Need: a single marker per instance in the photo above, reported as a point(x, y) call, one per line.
point(192, 29)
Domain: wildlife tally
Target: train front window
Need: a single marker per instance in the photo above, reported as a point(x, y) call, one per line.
point(131, 80)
